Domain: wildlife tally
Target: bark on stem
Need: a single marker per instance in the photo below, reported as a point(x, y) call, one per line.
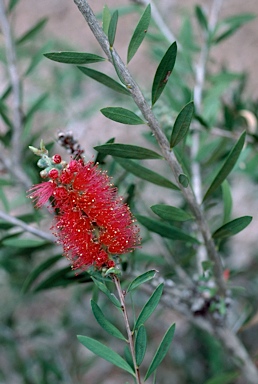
point(127, 326)
point(28, 228)
point(15, 164)
point(15, 80)
point(145, 108)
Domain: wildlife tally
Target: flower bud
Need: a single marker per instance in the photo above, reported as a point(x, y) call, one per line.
point(56, 159)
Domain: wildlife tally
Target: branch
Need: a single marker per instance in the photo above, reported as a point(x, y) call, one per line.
point(160, 137)
point(172, 298)
point(227, 337)
point(127, 326)
point(19, 223)
point(15, 80)
point(13, 166)
point(200, 74)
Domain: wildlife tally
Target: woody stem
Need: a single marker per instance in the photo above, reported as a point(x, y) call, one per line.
point(127, 326)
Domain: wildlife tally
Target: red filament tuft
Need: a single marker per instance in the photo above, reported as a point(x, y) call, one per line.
point(92, 223)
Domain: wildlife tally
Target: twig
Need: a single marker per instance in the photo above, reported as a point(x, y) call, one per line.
point(200, 74)
point(13, 165)
point(172, 298)
point(160, 137)
point(19, 223)
point(127, 326)
point(15, 81)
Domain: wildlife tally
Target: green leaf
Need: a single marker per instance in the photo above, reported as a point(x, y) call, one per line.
point(232, 24)
point(103, 288)
point(227, 201)
point(101, 156)
point(74, 57)
point(182, 124)
point(122, 115)
point(38, 271)
point(4, 113)
point(12, 4)
point(232, 228)
point(62, 278)
point(106, 17)
point(143, 278)
point(105, 80)
point(183, 180)
point(36, 106)
point(139, 33)
point(165, 230)
point(161, 351)
point(128, 356)
point(112, 28)
point(23, 243)
point(227, 166)
point(145, 173)
point(140, 345)
point(104, 323)
point(163, 72)
point(105, 353)
point(223, 378)
point(149, 307)
point(201, 17)
point(167, 212)
point(127, 151)
point(29, 35)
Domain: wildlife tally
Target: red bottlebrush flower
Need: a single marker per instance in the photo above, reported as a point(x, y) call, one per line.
point(92, 223)
point(41, 193)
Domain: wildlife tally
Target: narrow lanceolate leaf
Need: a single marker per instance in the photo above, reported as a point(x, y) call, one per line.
point(29, 35)
point(163, 72)
point(139, 33)
point(37, 105)
point(106, 17)
point(122, 115)
point(201, 17)
point(38, 271)
point(105, 353)
point(140, 345)
point(224, 378)
point(146, 276)
point(165, 230)
point(68, 57)
point(62, 278)
point(227, 166)
point(161, 351)
point(231, 24)
point(101, 156)
point(167, 212)
point(104, 79)
point(105, 323)
point(127, 151)
point(183, 180)
point(182, 124)
point(149, 307)
point(145, 173)
point(23, 243)
point(227, 201)
point(112, 28)
point(103, 288)
point(232, 228)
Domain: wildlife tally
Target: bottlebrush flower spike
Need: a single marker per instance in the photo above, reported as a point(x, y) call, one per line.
point(92, 223)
